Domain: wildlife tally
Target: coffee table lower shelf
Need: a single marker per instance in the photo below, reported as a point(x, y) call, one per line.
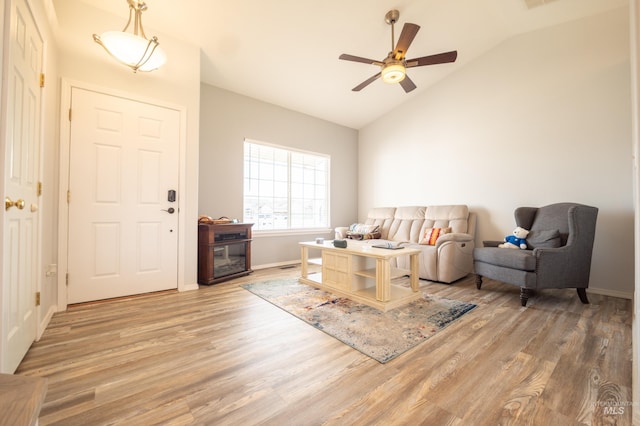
point(399, 295)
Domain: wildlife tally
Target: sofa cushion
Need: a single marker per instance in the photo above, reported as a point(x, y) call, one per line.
point(430, 235)
point(406, 224)
point(543, 239)
point(454, 216)
point(381, 216)
point(361, 231)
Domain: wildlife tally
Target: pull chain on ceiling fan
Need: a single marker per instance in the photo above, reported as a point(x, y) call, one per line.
point(394, 66)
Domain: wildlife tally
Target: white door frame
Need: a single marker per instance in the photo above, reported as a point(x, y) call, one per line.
point(63, 207)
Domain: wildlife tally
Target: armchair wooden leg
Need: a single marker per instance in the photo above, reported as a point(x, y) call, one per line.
point(524, 295)
point(478, 281)
point(582, 294)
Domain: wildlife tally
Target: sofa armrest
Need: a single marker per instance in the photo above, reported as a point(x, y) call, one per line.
point(458, 237)
point(341, 232)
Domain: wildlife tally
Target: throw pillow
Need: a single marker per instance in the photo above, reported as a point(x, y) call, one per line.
point(543, 239)
point(431, 235)
point(360, 231)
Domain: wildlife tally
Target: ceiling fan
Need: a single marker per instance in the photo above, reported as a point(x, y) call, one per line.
point(393, 67)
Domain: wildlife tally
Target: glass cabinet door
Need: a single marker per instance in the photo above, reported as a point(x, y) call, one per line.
point(229, 259)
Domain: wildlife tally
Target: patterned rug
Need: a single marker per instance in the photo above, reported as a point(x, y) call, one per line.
point(380, 335)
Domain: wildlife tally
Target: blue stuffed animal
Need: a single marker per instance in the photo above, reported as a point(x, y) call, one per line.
point(517, 240)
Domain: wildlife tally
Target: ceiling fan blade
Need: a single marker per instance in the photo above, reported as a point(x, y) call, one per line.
point(367, 82)
point(407, 84)
point(346, 57)
point(407, 35)
point(439, 58)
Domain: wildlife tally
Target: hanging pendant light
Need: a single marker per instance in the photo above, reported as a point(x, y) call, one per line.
point(133, 50)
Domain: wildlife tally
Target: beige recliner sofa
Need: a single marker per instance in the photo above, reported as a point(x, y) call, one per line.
point(451, 255)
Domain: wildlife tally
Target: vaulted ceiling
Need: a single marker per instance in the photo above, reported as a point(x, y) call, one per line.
point(285, 52)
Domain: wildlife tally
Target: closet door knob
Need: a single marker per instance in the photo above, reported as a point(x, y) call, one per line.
point(8, 203)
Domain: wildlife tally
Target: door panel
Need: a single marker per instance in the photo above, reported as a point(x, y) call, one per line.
point(21, 165)
point(123, 161)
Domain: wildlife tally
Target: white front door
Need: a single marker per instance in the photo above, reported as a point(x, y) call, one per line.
point(123, 217)
point(21, 170)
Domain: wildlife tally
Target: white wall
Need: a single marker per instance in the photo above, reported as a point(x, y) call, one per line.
point(43, 13)
point(542, 118)
point(635, 107)
point(176, 83)
point(226, 120)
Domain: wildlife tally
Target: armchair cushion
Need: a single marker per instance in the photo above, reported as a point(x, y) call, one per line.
point(544, 239)
point(515, 259)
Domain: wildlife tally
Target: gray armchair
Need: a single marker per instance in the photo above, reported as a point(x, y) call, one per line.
point(558, 254)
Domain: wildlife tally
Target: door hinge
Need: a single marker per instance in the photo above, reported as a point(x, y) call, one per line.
point(66, 279)
point(39, 189)
point(68, 197)
point(38, 298)
point(41, 79)
point(69, 114)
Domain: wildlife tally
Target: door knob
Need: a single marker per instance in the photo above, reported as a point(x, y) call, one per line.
point(170, 210)
point(8, 203)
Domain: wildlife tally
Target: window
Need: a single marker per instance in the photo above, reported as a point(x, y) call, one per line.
point(285, 189)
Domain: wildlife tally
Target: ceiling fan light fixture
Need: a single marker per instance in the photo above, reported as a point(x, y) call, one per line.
point(393, 73)
point(133, 49)
point(394, 67)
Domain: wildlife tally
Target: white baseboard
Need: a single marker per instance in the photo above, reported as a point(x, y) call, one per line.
point(601, 291)
point(45, 321)
point(612, 293)
point(188, 287)
point(276, 265)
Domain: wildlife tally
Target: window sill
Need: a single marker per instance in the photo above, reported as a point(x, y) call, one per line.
point(289, 232)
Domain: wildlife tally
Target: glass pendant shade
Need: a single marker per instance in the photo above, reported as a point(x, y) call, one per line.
point(136, 52)
point(393, 73)
point(133, 49)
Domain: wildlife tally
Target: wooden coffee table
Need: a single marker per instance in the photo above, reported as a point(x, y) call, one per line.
point(362, 273)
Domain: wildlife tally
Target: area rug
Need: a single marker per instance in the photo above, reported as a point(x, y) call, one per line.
point(379, 335)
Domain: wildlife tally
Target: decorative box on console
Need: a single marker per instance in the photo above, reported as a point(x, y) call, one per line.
point(224, 251)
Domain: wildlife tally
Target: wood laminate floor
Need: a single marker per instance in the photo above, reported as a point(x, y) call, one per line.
point(223, 356)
